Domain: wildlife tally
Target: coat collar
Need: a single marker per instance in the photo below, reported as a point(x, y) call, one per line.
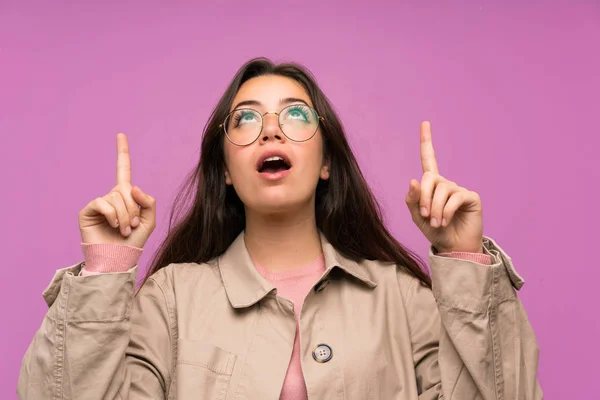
point(245, 286)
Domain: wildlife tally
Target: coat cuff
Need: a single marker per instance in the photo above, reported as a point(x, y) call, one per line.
point(480, 258)
point(91, 298)
point(469, 285)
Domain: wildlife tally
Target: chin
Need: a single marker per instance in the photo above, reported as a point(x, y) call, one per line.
point(277, 204)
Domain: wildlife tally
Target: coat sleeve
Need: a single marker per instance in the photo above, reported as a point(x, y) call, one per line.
point(471, 336)
point(100, 340)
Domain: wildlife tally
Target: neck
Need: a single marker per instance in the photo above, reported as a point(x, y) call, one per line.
point(281, 242)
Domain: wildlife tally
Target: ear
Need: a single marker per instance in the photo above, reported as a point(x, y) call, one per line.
point(324, 175)
point(228, 178)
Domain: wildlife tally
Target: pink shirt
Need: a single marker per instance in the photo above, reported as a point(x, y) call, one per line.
point(292, 284)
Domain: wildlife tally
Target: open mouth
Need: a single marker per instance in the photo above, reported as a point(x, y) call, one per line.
point(274, 164)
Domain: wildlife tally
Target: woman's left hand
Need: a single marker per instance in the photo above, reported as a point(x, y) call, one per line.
point(449, 215)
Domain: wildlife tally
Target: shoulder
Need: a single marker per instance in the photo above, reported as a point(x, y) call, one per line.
point(390, 275)
point(181, 275)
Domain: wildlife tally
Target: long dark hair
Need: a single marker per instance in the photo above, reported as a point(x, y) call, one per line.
point(346, 210)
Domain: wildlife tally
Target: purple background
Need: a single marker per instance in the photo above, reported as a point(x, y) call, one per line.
point(511, 90)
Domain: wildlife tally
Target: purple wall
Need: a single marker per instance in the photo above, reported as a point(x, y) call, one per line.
point(511, 90)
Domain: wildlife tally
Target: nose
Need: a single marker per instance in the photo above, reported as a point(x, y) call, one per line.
point(271, 128)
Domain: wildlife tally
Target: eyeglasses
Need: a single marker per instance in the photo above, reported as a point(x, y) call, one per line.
point(298, 122)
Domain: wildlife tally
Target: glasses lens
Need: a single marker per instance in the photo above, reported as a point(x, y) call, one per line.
point(299, 122)
point(242, 126)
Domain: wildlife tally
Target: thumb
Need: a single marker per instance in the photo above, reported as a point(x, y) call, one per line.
point(412, 201)
point(147, 204)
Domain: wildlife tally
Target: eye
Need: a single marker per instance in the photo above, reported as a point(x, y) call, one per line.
point(298, 112)
point(242, 117)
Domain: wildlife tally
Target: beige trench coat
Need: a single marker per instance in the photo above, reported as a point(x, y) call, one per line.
point(219, 331)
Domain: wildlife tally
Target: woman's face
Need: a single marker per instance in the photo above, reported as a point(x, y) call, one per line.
point(272, 187)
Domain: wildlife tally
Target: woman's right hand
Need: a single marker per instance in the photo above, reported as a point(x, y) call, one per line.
point(125, 215)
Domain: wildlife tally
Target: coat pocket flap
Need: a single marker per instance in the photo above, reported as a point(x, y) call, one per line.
point(205, 355)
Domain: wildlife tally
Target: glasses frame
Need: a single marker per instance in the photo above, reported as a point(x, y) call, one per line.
point(262, 123)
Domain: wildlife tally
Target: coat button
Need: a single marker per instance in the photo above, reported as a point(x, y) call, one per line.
point(321, 285)
point(322, 353)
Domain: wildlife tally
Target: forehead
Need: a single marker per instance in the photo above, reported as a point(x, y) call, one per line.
point(269, 90)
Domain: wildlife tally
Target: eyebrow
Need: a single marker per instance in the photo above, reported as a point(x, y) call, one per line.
point(287, 100)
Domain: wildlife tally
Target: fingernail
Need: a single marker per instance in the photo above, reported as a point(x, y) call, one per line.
point(116, 222)
point(135, 221)
point(434, 222)
point(128, 231)
point(444, 222)
point(423, 211)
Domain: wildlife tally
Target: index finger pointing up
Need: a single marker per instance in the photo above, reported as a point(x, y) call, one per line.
point(123, 162)
point(428, 161)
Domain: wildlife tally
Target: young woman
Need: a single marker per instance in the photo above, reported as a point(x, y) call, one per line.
point(279, 279)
